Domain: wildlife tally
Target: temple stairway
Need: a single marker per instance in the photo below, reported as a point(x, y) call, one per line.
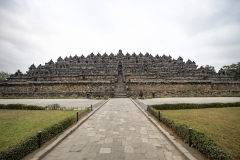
point(120, 88)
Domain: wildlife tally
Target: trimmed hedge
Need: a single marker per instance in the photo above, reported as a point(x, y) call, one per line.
point(20, 107)
point(30, 144)
point(199, 140)
point(193, 106)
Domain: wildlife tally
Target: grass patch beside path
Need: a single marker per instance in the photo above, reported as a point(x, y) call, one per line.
point(17, 125)
point(220, 124)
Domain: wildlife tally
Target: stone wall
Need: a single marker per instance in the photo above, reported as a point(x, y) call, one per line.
point(178, 89)
point(57, 89)
point(128, 75)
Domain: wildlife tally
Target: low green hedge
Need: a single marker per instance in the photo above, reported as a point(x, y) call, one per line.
point(20, 107)
point(30, 144)
point(193, 106)
point(198, 139)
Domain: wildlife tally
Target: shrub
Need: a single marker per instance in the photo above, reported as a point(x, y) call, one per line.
point(54, 107)
point(20, 107)
point(105, 97)
point(193, 106)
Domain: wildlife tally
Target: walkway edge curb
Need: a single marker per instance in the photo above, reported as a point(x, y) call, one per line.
point(185, 152)
point(64, 135)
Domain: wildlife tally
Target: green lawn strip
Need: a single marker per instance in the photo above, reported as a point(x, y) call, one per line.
point(17, 125)
point(220, 124)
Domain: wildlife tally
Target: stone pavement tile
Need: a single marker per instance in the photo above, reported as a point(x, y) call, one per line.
point(118, 155)
point(128, 149)
point(133, 156)
point(177, 158)
point(136, 145)
point(169, 147)
point(116, 144)
point(69, 144)
point(150, 147)
point(144, 140)
point(151, 155)
point(168, 155)
point(117, 148)
point(85, 150)
point(77, 148)
point(55, 154)
point(91, 143)
point(126, 143)
point(161, 155)
point(163, 142)
point(154, 136)
point(94, 139)
point(144, 136)
point(104, 156)
point(143, 132)
point(95, 149)
point(84, 138)
point(65, 149)
point(70, 155)
point(128, 138)
point(90, 156)
point(153, 140)
point(140, 150)
point(80, 142)
point(107, 145)
point(108, 140)
point(98, 135)
point(91, 134)
point(47, 158)
point(105, 150)
point(132, 129)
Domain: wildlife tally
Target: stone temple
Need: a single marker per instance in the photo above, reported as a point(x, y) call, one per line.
point(118, 75)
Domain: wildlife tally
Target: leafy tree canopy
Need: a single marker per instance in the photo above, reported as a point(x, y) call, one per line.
point(4, 76)
point(233, 70)
point(211, 68)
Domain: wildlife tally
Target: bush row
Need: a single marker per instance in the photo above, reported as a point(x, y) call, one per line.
point(30, 144)
point(198, 139)
point(194, 106)
point(20, 107)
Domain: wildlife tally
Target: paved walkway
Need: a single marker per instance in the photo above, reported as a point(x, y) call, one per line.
point(68, 103)
point(118, 130)
point(190, 100)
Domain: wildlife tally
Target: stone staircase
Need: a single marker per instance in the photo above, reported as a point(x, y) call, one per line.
point(120, 88)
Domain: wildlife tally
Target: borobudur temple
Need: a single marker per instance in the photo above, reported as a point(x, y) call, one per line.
point(118, 75)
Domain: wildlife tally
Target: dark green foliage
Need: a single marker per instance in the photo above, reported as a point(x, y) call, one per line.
point(193, 106)
point(210, 68)
point(21, 149)
point(199, 140)
point(4, 76)
point(20, 107)
point(30, 144)
point(233, 70)
point(208, 147)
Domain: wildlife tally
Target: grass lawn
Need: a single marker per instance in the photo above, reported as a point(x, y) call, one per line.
point(16, 125)
point(220, 124)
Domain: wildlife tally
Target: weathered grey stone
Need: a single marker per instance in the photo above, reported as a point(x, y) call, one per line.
point(77, 148)
point(119, 76)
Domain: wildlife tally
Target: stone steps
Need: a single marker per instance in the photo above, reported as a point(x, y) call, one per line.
point(120, 88)
point(120, 95)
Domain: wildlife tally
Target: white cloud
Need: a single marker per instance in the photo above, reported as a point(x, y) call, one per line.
point(32, 31)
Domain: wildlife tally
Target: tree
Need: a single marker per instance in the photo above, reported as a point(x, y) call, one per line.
point(210, 68)
point(233, 70)
point(4, 76)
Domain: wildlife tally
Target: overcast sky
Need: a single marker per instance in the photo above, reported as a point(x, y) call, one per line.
point(36, 31)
